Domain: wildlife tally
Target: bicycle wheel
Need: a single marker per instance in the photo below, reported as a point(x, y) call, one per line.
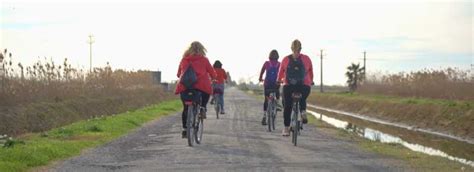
point(274, 114)
point(190, 125)
point(269, 119)
point(199, 130)
point(295, 127)
point(296, 132)
point(216, 105)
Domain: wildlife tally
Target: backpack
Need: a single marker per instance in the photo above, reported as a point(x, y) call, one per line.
point(271, 73)
point(189, 77)
point(295, 72)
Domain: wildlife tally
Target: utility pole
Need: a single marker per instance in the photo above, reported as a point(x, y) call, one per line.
point(90, 42)
point(321, 87)
point(364, 62)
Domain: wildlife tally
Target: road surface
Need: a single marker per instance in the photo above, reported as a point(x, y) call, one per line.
point(236, 142)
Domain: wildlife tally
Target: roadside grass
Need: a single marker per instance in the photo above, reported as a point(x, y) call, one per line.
point(40, 149)
point(402, 100)
point(416, 161)
point(452, 117)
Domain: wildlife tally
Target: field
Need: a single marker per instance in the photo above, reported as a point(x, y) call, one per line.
point(46, 95)
point(450, 84)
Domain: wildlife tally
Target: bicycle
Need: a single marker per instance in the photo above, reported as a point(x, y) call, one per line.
point(271, 112)
point(194, 121)
point(217, 101)
point(296, 124)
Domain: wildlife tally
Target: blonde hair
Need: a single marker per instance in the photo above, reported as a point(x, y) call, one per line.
point(196, 48)
point(296, 46)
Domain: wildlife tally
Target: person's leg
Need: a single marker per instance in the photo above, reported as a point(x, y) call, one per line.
point(265, 101)
point(184, 116)
point(277, 94)
point(204, 99)
point(288, 102)
point(265, 105)
point(287, 90)
point(185, 110)
point(221, 97)
point(305, 91)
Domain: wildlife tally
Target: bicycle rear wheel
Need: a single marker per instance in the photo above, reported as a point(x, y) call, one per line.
point(199, 130)
point(274, 114)
point(190, 125)
point(296, 126)
point(269, 119)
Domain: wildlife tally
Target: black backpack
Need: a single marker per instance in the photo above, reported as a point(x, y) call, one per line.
point(189, 77)
point(295, 72)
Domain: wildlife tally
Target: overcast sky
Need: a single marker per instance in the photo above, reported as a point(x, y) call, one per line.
point(397, 35)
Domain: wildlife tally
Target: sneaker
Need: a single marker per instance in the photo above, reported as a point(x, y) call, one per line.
point(264, 120)
point(304, 117)
point(212, 101)
point(203, 113)
point(222, 112)
point(285, 132)
point(279, 107)
point(183, 134)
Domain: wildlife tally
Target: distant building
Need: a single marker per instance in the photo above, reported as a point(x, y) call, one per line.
point(156, 77)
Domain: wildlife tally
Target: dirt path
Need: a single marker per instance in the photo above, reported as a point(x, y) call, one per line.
point(236, 142)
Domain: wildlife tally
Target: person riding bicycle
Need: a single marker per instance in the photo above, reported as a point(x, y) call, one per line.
point(296, 72)
point(195, 57)
point(270, 68)
point(218, 85)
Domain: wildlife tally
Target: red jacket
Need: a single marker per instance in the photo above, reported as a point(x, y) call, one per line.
point(221, 75)
point(308, 65)
point(204, 72)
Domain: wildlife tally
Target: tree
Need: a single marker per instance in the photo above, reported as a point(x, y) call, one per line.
point(355, 75)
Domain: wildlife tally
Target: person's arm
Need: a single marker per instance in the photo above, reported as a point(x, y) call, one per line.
point(180, 68)
point(225, 74)
point(260, 78)
point(310, 71)
point(210, 70)
point(282, 70)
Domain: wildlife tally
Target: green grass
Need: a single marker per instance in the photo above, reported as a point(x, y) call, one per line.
point(404, 100)
point(60, 143)
point(415, 160)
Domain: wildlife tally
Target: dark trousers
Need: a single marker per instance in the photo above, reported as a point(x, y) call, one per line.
point(288, 100)
point(267, 90)
point(204, 100)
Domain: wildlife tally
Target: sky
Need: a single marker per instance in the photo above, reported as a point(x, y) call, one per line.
point(152, 35)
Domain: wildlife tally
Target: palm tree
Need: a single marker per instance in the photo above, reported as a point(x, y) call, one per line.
point(355, 75)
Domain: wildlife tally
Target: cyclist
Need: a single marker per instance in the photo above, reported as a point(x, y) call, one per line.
point(271, 68)
point(195, 57)
point(218, 85)
point(296, 72)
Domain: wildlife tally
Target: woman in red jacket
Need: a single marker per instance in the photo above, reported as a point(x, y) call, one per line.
point(296, 72)
point(196, 56)
point(218, 84)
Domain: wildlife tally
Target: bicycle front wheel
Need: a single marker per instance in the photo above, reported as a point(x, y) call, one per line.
point(269, 119)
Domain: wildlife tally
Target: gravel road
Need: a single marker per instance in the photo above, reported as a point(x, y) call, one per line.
point(235, 142)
